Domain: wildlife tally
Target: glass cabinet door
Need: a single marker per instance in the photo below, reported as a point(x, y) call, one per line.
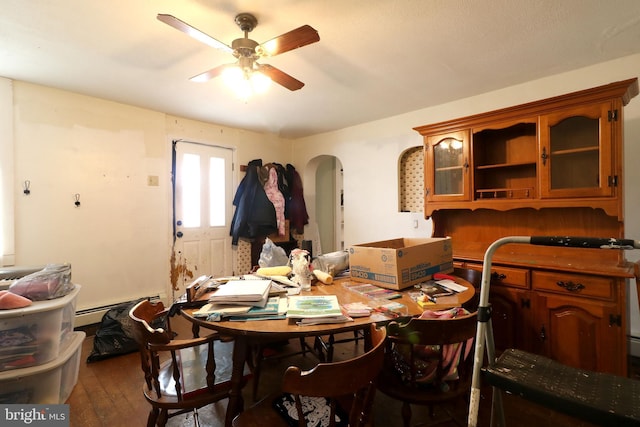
point(447, 167)
point(575, 156)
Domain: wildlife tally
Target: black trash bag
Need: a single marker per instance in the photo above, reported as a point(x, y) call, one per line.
point(115, 333)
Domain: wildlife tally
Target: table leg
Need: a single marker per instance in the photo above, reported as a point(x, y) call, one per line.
point(236, 402)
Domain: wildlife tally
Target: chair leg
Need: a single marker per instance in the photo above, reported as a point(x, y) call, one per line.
point(303, 346)
point(257, 367)
point(153, 417)
point(196, 419)
point(162, 419)
point(406, 414)
point(332, 340)
point(319, 346)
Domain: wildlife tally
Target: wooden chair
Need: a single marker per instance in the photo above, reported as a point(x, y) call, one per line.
point(348, 386)
point(475, 278)
point(326, 345)
point(258, 355)
point(425, 363)
point(180, 375)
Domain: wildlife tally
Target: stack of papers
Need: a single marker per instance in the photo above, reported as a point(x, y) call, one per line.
point(372, 291)
point(450, 284)
point(275, 308)
point(357, 309)
point(316, 309)
point(242, 292)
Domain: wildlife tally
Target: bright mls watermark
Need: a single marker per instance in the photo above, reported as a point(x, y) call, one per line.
point(34, 415)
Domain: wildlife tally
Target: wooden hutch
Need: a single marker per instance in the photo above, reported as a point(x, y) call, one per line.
point(547, 168)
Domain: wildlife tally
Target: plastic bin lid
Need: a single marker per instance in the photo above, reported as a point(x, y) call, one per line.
point(40, 306)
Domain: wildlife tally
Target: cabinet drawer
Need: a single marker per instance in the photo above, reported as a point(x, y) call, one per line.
point(506, 276)
point(574, 284)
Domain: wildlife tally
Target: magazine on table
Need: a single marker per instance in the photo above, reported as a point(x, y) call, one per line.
point(307, 306)
point(276, 307)
point(316, 309)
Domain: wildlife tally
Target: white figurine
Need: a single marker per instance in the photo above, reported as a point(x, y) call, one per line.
point(301, 268)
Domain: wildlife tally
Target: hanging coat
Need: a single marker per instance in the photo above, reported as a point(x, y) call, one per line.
point(296, 208)
point(255, 215)
point(275, 196)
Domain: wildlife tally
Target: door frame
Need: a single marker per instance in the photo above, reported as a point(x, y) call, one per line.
point(173, 215)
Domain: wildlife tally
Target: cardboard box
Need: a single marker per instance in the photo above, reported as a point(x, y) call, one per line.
point(400, 263)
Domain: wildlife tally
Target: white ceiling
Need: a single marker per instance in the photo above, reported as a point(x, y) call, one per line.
point(375, 58)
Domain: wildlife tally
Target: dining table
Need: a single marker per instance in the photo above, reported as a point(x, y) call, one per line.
point(254, 332)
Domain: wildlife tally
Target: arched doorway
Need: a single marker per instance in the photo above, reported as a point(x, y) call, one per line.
point(323, 179)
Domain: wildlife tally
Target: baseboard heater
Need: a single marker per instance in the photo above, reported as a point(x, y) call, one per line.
point(634, 346)
point(90, 316)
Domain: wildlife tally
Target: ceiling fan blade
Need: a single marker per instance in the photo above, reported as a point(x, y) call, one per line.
point(193, 32)
point(294, 39)
point(212, 73)
point(281, 77)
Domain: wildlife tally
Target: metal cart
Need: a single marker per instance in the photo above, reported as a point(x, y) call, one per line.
point(603, 399)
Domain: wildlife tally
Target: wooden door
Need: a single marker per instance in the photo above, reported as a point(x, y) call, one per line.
point(203, 209)
point(582, 334)
point(510, 317)
point(447, 163)
point(576, 153)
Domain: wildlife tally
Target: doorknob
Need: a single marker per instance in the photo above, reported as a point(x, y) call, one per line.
point(179, 234)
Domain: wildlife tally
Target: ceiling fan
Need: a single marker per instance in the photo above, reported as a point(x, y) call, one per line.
point(248, 51)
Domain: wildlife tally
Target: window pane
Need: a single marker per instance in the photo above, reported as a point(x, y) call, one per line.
point(191, 190)
point(216, 192)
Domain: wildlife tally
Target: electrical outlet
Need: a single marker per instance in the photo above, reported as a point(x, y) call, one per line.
point(153, 180)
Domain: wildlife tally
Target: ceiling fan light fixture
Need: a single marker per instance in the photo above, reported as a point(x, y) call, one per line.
point(247, 52)
point(245, 82)
point(268, 48)
point(259, 82)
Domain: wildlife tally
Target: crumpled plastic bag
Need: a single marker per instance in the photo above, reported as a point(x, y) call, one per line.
point(54, 281)
point(115, 334)
point(272, 255)
point(332, 263)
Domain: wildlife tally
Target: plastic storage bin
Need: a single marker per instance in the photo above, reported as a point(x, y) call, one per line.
point(35, 335)
point(50, 383)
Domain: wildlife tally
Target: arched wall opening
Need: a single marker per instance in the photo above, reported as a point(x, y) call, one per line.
point(323, 180)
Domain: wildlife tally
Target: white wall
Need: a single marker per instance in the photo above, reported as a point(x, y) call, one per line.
point(7, 248)
point(119, 239)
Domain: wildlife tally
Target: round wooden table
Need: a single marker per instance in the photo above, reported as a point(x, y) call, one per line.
point(248, 333)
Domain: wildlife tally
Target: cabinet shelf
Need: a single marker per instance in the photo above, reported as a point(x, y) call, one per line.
point(449, 168)
point(505, 165)
point(576, 151)
point(505, 193)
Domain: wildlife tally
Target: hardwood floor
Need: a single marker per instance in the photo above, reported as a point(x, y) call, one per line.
point(108, 394)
